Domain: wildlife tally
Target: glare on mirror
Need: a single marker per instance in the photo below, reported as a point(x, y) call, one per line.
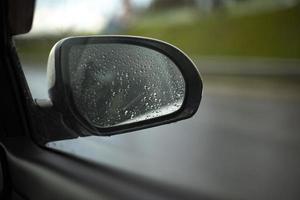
point(116, 84)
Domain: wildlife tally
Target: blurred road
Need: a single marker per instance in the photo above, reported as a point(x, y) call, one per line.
point(243, 143)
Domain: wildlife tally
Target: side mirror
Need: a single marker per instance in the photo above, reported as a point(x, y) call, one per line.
point(114, 84)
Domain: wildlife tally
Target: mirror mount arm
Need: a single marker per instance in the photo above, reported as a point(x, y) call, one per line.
point(51, 125)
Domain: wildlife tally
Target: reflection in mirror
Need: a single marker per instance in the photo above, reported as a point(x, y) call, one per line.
point(115, 84)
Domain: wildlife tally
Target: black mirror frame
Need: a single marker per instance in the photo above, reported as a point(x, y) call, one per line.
point(60, 92)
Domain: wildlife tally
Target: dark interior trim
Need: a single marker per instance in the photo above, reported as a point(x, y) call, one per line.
point(20, 16)
point(54, 175)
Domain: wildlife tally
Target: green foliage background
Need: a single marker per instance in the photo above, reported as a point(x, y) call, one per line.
point(269, 34)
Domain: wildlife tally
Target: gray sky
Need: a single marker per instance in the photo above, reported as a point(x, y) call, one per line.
point(55, 16)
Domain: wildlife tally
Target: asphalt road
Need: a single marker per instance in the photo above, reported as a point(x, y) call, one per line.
point(243, 143)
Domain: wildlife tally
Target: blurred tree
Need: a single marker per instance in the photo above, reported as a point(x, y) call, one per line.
point(216, 4)
point(120, 22)
point(166, 4)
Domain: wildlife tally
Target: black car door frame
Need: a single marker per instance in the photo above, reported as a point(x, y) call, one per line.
point(35, 172)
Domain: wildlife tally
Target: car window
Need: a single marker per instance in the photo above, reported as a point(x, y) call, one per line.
point(245, 133)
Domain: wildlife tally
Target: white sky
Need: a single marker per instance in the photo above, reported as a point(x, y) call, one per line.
point(56, 16)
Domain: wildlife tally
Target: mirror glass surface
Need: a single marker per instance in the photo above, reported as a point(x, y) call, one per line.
point(114, 84)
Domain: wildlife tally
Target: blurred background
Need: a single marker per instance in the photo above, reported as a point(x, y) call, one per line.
point(244, 141)
point(236, 38)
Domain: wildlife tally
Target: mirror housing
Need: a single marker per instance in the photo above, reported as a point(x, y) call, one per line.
point(62, 95)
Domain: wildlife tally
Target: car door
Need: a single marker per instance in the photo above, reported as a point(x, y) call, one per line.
point(31, 171)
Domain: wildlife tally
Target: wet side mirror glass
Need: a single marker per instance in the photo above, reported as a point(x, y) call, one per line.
point(116, 84)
